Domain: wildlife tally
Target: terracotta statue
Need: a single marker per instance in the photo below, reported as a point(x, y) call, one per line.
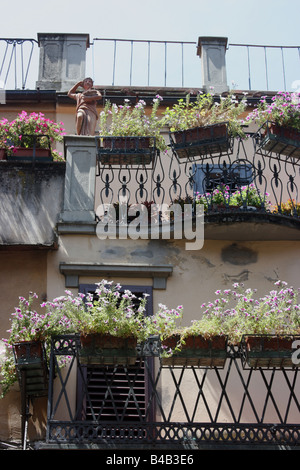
point(86, 112)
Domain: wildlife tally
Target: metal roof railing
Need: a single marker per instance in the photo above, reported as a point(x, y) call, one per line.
point(16, 56)
point(147, 63)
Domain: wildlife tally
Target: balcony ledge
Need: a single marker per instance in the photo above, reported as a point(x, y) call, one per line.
point(242, 225)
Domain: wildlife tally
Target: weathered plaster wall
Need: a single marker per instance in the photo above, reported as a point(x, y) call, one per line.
point(31, 200)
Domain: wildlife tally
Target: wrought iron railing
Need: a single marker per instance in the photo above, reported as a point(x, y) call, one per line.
point(244, 178)
point(186, 407)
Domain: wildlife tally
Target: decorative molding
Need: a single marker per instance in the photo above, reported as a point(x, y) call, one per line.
point(159, 273)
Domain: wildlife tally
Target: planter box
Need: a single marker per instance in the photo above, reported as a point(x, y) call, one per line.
point(107, 350)
point(263, 351)
point(2, 154)
point(126, 150)
point(197, 351)
point(281, 140)
point(31, 364)
point(213, 139)
point(30, 154)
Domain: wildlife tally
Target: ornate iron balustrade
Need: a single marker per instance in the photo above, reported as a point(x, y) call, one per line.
point(184, 407)
point(242, 179)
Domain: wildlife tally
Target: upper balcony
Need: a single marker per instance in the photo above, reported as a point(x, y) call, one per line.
point(244, 186)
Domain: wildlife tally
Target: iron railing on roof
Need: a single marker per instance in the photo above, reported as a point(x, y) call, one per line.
point(261, 67)
point(132, 62)
point(179, 65)
point(16, 59)
point(128, 55)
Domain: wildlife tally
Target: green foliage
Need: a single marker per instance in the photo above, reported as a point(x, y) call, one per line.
point(112, 312)
point(206, 110)
point(236, 312)
point(132, 121)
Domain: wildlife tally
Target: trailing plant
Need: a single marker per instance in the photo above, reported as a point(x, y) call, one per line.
point(164, 323)
point(27, 324)
point(222, 195)
point(284, 110)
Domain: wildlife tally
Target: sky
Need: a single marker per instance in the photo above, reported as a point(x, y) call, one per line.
point(267, 22)
point(243, 21)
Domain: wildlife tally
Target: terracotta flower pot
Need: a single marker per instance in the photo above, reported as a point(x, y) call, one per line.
point(27, 154)
point(197, 351)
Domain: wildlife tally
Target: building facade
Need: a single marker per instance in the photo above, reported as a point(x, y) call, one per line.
point(50, 242)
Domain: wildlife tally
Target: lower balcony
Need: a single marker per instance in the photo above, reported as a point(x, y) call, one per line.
point(150, 405)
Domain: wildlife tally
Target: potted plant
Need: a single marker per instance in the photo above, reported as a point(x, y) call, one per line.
point(30, 136)
point(245, 197)
point(204, 126)
point(253, 323)
point(128, 135)
point(28, 345)
point(110, 326)
point(279, 122)
point(291, 207)
point(249, 197)
point(200, 344)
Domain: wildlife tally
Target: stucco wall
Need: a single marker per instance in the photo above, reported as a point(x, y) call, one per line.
point(31, 200)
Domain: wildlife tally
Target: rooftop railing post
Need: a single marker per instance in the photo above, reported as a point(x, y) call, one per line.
point(212, 52)
point(62, 60)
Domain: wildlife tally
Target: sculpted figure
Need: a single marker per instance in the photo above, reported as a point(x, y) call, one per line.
point(86, 112)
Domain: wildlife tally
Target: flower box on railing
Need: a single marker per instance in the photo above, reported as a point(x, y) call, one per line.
point(31, 154)
point(267, 351)
point(196, 351)
point(207, 140)
point(107, 349)
point(126, 150)
point(32, 148)
point(31, 364)
point(280, 140)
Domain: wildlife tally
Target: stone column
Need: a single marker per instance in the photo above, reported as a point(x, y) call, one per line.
point(212, 52)
point(80, 179)
point(62, 60)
